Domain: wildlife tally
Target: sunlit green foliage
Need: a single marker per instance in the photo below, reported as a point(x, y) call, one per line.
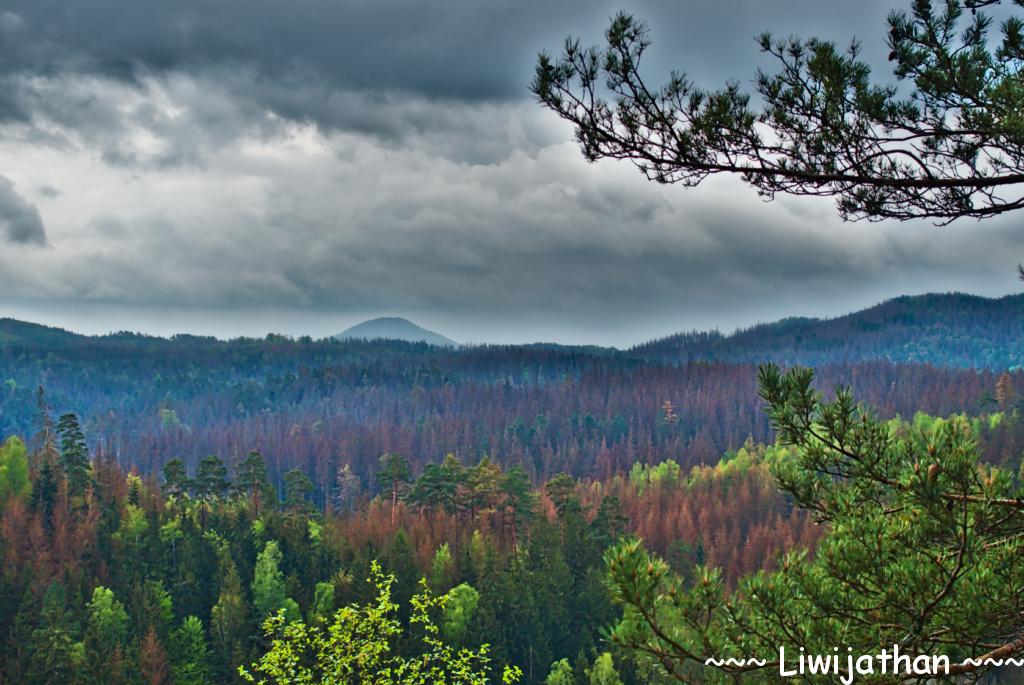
point(268, 589)
point(459, 608)
point(14, 480)
point(603, 671)
point(561, 674)
point(357, 647)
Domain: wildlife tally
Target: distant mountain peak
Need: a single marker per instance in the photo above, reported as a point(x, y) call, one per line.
point(395, 328)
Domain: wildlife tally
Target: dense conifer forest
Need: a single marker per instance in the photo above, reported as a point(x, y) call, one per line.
point(111, 575)
point(162, 498)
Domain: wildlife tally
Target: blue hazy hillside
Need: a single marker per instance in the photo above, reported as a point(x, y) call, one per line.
point(951, 329)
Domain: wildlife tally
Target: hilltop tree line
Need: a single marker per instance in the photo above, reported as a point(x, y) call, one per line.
point(318, 406)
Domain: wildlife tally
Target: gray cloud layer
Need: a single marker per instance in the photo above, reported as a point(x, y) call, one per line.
point(19, 219)
point(335, 63)
point(329, 160)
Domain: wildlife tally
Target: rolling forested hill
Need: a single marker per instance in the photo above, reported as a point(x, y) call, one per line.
point(954, 329)
point(318, 404)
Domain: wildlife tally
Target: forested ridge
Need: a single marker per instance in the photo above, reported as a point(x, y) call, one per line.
point(952, 329)
point(317, 405)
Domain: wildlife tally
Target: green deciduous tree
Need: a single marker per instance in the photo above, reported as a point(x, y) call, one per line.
point(951, 146)
point(14, 478)
point(106, 637)
point(357, 647)
point(323, 602)
point(603, 671)
point(924, 550)
point(459, 609)
point(561, 674)
point(108, 620)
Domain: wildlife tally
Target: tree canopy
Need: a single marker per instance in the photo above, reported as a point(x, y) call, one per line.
point(951, 147)
point(924, 551)
point(357, 647)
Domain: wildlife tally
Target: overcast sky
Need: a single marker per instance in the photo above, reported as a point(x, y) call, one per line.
point(244, 166)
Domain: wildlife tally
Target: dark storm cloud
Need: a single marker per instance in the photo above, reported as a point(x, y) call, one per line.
point(302, 60)
point(19, 219)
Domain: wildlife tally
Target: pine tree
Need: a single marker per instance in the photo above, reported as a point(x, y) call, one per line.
point(1005, 391)
point(153, 660)
point(924, 551)
point(297, 488)
point(394, 477)
point(562, 491)
point(268, 588)
point(190, 654)
point(518, 501)
point(176, 480)
point(211, 478)
point(822, 126)
point(229, 620)
point(251, 481)
point(74, 454)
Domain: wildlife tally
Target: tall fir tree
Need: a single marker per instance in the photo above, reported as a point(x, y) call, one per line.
point(74, 454)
